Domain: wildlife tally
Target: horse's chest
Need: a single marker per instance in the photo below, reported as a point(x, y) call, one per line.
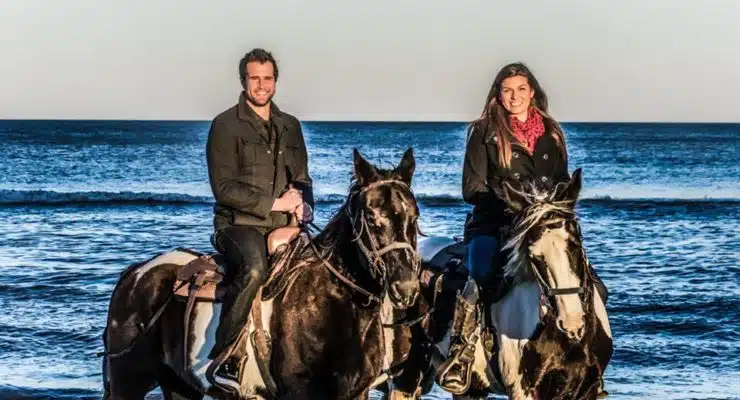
point(551, 365)
point(371, 340)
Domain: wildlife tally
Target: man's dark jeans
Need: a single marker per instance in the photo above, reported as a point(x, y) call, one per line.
point(244, 248)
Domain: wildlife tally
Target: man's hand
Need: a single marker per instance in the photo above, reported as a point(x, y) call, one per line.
point(289, 201)
point(304, 213)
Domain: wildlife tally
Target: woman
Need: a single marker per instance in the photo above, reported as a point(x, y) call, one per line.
point(515, 139)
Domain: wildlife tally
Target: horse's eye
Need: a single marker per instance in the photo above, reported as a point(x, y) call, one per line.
point(555, 225)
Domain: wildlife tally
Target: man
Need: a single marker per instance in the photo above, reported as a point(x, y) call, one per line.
point(258, 170)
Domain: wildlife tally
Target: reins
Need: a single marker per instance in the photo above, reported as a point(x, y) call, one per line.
point(373, 254)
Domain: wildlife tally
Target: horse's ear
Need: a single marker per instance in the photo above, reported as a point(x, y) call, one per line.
point(573, 189)
point(405, 169)
point(365, 172)
point(514, 199)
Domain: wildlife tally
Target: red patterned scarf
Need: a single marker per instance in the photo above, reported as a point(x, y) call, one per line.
point(529, 131)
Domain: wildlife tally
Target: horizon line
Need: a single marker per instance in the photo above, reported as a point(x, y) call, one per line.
point(698, 122)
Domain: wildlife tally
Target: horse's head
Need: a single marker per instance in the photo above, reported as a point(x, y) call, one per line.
point(383, 213)
point(546, 246)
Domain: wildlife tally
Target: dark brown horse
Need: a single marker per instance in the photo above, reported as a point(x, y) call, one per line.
point(322, 313)
point(552, 335)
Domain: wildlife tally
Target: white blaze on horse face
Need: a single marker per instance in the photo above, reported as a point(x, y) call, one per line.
point(552, 246)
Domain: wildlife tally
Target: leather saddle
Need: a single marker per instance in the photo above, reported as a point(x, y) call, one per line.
point(449, 258)
point(202, 277)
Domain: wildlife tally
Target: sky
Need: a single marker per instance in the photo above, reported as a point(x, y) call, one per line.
point(393, 60)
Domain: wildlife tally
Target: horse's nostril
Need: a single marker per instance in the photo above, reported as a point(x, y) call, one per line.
point(405, 288)
point(404, 291)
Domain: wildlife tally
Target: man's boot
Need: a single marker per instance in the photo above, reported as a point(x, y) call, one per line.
point(228, 375)
point(454, 375)
point(227, 366)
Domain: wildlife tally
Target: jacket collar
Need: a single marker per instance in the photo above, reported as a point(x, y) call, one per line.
point(245, 112)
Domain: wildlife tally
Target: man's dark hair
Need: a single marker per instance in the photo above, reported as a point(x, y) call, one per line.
point(259, 55)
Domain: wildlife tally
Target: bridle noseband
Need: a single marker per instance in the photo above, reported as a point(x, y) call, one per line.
point(550, 292)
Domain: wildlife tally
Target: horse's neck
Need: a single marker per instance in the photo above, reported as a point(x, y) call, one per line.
point(518, 314)
point(345, 257)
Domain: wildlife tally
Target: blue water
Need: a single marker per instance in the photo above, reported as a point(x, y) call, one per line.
point(660, 214)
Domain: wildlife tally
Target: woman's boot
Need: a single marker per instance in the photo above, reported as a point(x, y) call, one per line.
point(454, 375)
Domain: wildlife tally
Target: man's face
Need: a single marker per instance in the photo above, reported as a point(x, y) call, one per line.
point(260, 83)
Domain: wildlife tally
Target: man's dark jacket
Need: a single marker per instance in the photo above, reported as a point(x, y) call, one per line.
point(247, 172)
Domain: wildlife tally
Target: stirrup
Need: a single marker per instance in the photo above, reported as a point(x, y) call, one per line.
point(463, 360)
point(229, 382)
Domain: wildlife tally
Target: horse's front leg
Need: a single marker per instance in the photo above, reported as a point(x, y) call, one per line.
point(509, 359)
point(295, 367)
point(300, 338)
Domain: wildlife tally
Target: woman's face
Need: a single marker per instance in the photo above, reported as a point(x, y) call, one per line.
point(516, 96)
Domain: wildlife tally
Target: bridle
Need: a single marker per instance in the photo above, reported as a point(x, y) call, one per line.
point(374, 255)
point(549, 293)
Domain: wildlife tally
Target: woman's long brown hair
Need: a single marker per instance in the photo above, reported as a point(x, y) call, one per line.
point(494, 119)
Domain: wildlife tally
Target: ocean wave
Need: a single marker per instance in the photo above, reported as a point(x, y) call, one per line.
point(19, 392)
point(51, 197)
point(57, 198)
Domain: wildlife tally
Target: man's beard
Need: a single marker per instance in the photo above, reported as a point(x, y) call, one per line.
point(257, 104)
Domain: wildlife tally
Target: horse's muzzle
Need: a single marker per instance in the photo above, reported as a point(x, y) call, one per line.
point(574, 330)
point(403, 294)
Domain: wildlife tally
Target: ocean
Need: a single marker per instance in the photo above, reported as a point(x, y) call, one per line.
point(81, 200)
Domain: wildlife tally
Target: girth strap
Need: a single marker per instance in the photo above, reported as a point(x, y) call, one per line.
point(196, 281)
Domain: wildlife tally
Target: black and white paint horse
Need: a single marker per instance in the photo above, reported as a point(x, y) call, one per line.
point(552, 332)
point(327, 337)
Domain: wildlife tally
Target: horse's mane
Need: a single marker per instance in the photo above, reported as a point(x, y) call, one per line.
point(541, 202)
